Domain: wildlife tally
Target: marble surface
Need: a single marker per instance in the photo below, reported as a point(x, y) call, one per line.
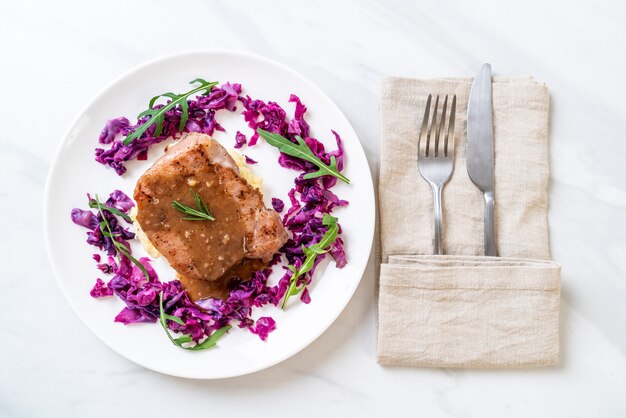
point(57, 55)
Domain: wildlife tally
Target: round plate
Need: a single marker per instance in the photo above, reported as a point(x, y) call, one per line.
point(75, 173)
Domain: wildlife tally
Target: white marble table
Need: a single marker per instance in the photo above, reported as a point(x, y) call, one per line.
point(57, 55)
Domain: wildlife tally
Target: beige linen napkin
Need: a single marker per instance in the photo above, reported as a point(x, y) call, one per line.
point(464, 309)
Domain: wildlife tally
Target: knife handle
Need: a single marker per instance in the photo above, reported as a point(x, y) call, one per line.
point(490, 228)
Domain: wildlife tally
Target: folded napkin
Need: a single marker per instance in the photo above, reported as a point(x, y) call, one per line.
point(465, 309)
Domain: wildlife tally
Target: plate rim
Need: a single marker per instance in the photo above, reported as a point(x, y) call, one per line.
point(155, 61)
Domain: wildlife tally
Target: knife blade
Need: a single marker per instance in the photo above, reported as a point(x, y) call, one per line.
point(479, 149)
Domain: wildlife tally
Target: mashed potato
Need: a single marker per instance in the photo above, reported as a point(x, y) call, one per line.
point(245, 171)
point(145, 242)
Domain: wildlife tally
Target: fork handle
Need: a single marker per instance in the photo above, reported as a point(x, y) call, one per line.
point(438, 219)
point(490, 229)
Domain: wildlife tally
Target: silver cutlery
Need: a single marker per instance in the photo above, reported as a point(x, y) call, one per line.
point(435, 154)
point(479, 153)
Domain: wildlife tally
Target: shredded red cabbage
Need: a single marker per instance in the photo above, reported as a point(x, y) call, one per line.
point(240, 140)
point(249, 160)
point(278, 204)
point(100, 289)
point(263, 327)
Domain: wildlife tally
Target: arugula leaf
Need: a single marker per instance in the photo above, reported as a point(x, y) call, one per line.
point(301, 150)
point(158, 115)
point(94, 205)
point(329, 219)
point(311, 253)
point(184, 339)
point(208, 342)
point(212, 339)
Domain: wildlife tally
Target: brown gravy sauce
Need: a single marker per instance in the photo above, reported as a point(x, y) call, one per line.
point(200, 289)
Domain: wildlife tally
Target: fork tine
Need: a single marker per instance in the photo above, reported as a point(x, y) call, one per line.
point(422, 141)
point(441, 128)
point(450, 132)
point(431, 150)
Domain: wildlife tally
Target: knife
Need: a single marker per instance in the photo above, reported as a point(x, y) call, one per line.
point(479, 151)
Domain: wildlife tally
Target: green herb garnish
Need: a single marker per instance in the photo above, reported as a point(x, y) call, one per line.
point(311, 253)
point(158, 115)
point(105, 228)
point(209, 342)
point(94, 205)
point(302, 150)
point(201, 213)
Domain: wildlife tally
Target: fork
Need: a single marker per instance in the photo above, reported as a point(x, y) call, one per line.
point(435, 154)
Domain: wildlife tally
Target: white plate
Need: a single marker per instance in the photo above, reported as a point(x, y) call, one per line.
point(74, 173)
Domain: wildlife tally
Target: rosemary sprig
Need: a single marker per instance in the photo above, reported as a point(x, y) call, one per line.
point(311, 253)
point(301, 150)
point(201, 213)
point(105, 228)
point(158, 115)
point(209, 342)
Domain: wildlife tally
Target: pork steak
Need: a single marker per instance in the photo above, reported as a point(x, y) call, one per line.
point(244, 235)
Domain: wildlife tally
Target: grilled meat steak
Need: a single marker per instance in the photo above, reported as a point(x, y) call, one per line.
point(207, 254)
